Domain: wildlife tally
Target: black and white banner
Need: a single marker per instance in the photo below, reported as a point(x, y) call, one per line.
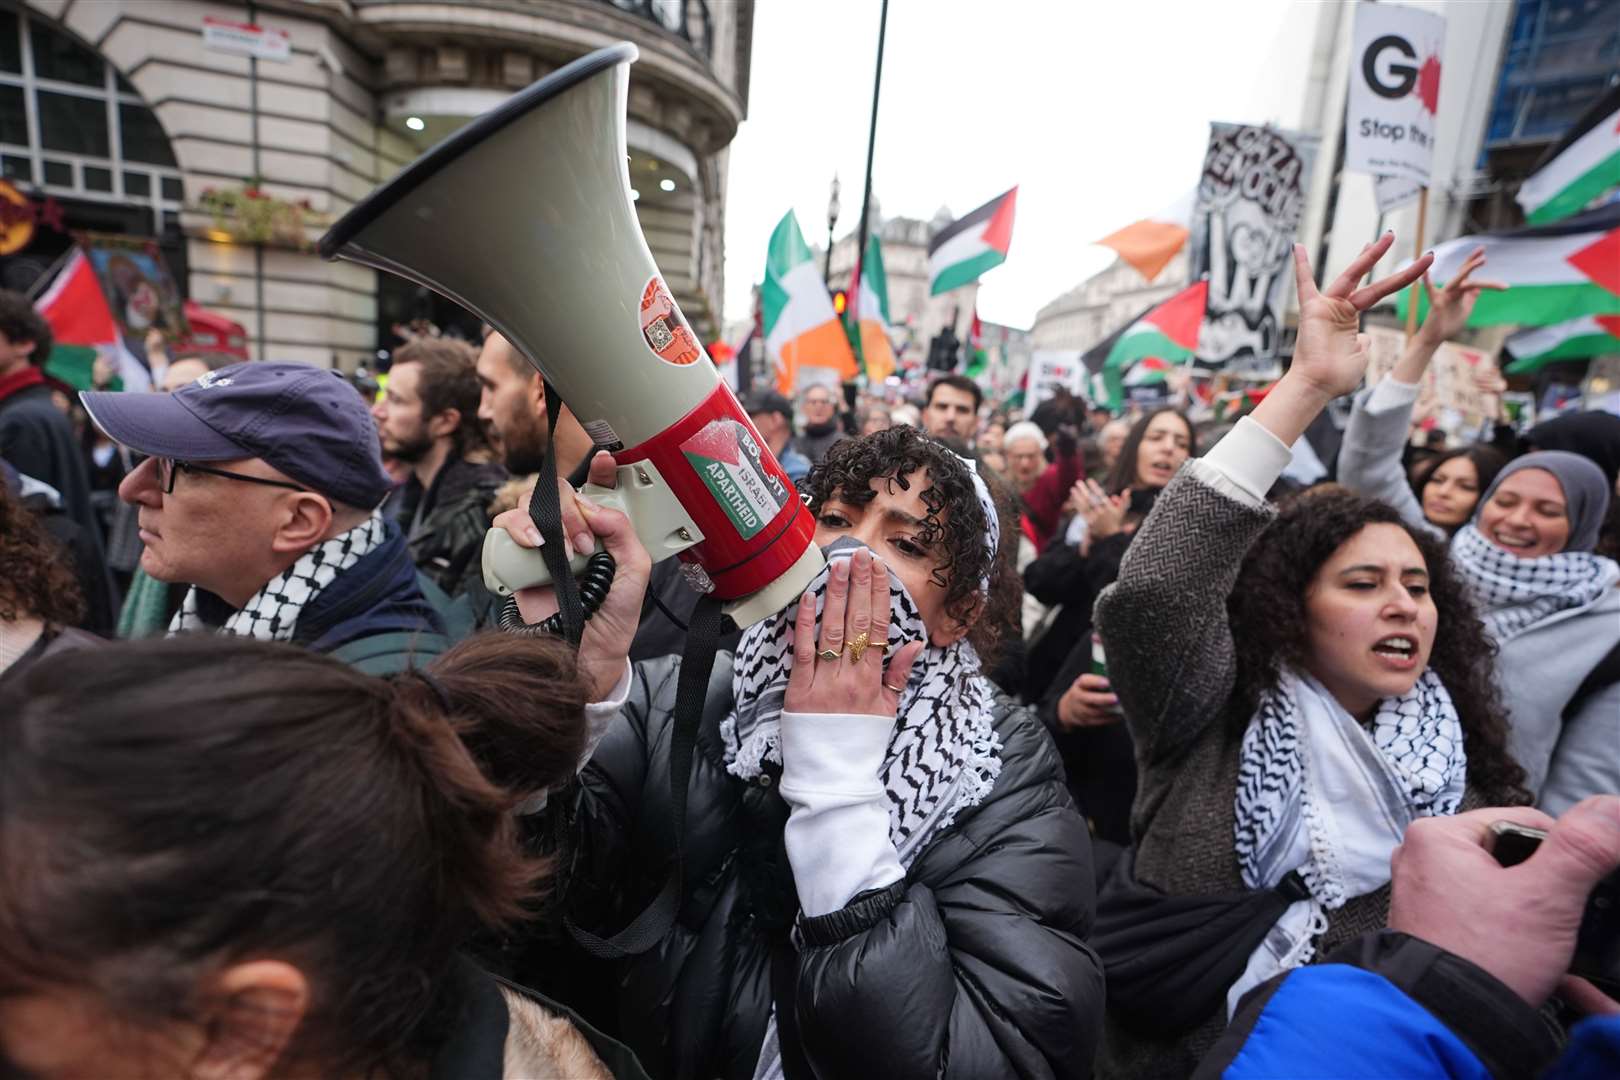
point(1251, 196)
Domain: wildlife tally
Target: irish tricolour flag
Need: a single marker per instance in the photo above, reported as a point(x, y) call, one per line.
point(1580, 167)
point(872, 314)
point(1554, 273)
point(1146, 349)
point(968, 247)
point(803, 335)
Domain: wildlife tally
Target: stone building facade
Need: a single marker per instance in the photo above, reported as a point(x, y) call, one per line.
point(355, 91)
point(1103, 303)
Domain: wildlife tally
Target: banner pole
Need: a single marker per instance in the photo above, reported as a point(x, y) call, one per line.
point(1417, 253)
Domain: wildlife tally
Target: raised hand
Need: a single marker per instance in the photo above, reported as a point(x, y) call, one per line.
point(860, 678)
point(1104, 514)
point(1330, 355)
point(1449, 307)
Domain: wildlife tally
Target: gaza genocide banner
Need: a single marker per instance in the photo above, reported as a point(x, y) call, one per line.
point(1394, 91)
point(1250, 199)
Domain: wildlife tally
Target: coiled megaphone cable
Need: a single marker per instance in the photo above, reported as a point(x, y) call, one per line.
point(594, 582)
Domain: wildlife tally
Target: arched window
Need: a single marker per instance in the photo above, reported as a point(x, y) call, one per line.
point(71, 125)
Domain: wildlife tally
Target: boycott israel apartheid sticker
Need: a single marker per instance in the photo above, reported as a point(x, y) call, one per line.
point(726, 455)
point(664, 327)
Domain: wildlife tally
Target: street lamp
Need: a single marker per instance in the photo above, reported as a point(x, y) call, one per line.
point(832, 219)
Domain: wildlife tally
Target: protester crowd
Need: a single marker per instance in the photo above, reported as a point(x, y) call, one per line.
point(1098, 747)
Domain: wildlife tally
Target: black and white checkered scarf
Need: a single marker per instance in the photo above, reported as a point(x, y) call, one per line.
point(272, 612)
point(1515, 594)
point(944, 755)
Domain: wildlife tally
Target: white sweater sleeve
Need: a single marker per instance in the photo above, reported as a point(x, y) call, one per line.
point(837, 833)
point(1245, 464)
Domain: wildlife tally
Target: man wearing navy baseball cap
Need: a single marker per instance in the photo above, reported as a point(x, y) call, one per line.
point(260, 490)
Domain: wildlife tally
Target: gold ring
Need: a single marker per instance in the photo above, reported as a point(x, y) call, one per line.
point(894, 689)
point(829, 655)
point(857, 646)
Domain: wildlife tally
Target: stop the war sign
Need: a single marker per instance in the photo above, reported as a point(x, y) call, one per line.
point(1394, 91)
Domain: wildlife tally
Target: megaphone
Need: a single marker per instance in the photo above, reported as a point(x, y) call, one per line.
point(525, 218)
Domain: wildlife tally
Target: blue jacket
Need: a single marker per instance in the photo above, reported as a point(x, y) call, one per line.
point(1390, 1005)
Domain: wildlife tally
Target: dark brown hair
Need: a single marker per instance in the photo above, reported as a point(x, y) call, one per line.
point(36, 575)
point(179, 805)
point(1122, 477)
point(1267, 614)
point(954, 527)
point(20, 322)
point(1486, 460)
point(956, 382)
point(447, 379)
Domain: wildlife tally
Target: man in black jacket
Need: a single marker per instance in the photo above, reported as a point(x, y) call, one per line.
point(35, 436)
point(428, 420)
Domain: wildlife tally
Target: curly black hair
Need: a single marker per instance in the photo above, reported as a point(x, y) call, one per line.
point(1267, 615)
point(36, 575)
point(953, 528)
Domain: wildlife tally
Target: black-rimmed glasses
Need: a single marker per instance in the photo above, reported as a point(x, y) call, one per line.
point(169, 468)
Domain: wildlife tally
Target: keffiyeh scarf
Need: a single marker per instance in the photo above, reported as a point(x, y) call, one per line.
point(272, 612)
point(1319, 793)
point(1515, 594)
point(943, 757)
point(944, 754)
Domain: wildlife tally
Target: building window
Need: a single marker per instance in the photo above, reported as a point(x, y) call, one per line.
point(73, 125)
point(686, 19)
point(1561, 56)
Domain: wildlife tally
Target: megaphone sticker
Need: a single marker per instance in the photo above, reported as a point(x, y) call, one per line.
point(728, 459)
point(664, 327)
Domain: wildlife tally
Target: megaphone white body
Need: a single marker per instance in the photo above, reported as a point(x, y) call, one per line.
point(525, 218)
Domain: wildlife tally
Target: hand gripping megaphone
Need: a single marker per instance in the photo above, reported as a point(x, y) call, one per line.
point(525, 218)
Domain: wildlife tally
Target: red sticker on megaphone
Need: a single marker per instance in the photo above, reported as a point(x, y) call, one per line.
point(664, 327)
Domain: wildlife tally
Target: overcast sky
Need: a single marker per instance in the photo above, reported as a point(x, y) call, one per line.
point(1098, 111)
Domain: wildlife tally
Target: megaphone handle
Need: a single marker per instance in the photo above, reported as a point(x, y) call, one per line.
point(594, 583)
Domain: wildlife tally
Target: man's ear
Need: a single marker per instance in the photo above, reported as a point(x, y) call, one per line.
point(537, 394)
point(260, 1005)
point(303, 522)
point(444, 423)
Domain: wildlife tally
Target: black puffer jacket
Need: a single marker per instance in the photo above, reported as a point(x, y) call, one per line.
point(975, 966)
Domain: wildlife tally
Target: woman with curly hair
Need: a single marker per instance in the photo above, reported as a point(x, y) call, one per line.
point(1300, 686)
point(882, 872)
point(40, 602)
point(1526, 550)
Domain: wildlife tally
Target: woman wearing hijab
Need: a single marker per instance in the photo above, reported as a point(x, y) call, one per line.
point(882, 872)
point(1548, 600)
point(1301, 685)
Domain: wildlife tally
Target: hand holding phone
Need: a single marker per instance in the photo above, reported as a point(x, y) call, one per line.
point(1597, 943)
point(1519, 923)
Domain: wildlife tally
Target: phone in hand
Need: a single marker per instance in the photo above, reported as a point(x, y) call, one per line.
point(1597, 946)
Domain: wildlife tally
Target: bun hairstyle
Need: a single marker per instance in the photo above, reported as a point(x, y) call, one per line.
point(180, 805)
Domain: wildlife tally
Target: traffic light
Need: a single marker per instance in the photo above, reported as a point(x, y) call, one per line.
point(840, 301)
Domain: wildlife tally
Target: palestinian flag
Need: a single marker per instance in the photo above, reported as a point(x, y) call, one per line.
point(802, 333)
point(1577, 339)
point(1166, 333)
point(1555, 272)
point(872, 315)
point(1151, 243)
point(1577, 169)
point(966, 248)
point(977, 357)
point(78, 314)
